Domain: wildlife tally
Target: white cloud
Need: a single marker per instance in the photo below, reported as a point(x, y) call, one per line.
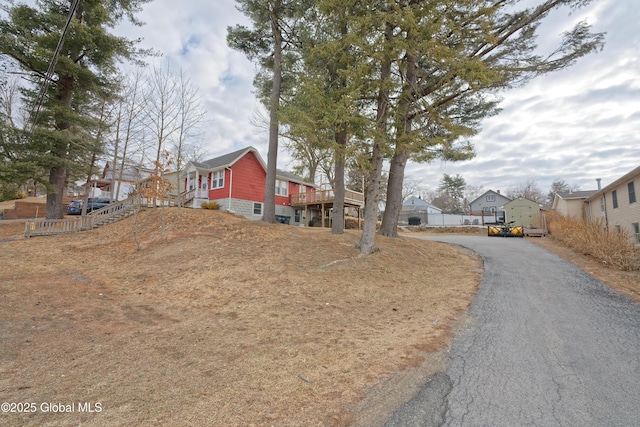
point(578, 124)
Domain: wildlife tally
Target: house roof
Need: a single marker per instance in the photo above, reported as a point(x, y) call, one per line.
point(489, 192)
point(572, 195)
point(227, 160)
point(627, 177)
point(416, 203)
point(520, 200)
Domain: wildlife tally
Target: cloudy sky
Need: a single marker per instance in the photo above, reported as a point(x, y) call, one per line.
point(576, 125)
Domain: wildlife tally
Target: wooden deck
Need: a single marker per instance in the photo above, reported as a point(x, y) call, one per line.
point(326, 197)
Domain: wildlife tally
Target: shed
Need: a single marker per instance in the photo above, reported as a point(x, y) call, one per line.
point(523, 211)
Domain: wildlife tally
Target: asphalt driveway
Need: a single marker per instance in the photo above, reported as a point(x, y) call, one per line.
point(547, 345)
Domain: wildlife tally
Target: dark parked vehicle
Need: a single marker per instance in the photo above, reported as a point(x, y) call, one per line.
point(93, 204)
point(75, 207)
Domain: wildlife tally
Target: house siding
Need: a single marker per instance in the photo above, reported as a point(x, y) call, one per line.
point(244, 185)
point(571, 208)
point(626, 213)
point(482, 205)
point(245, 208)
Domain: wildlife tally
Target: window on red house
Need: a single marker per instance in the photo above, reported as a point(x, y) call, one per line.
point(217, 179)
point(281, 188)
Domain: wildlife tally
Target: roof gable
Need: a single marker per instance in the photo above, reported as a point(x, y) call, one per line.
point(417, 203)
point(520, 201)
point(490, 192)
point(228, 160)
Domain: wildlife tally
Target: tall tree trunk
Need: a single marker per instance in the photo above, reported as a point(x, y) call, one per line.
point(57, 179)
point(367, 243)
point(393, 207)
point(389, 226)
point(337, 227)
point(269, 214)
point(58, 173)
point(367, 240)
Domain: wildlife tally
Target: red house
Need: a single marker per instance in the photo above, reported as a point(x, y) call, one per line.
point(237, 181)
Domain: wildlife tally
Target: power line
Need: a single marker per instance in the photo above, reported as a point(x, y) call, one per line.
point(52, 65)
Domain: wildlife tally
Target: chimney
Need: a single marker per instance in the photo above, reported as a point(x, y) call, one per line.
point(598, 181)
point(498, 191)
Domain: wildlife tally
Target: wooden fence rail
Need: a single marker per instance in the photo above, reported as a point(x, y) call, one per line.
point(44, 227)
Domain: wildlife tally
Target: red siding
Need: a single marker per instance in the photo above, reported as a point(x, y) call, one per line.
point(248, 180)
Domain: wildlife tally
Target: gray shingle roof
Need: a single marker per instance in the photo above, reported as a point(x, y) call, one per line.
point(227, 160)
point(572, 195)
point(224, 160)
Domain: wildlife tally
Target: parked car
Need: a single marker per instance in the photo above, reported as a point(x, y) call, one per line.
point(74, 208)
point(93, 204)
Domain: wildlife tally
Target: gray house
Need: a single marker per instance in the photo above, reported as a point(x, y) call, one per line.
point(414, 207)
point(491, 203)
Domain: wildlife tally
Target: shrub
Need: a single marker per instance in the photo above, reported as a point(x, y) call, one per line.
point(612, 248)
point(210, 205)
point(11, 192)
point(352, 223)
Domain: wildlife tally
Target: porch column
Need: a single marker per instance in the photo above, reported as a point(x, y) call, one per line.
point(196, 185)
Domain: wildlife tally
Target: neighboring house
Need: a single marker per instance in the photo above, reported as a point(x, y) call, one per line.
point(489, 203)
point(618, 205)
point(571, 203)
point(416, 204)
point(523, 212)
point(117, 185)
point(415, 207)
point(237, 180)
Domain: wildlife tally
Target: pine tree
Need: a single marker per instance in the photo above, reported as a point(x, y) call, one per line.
point(60, 140)
point(458, 54)
point(273, 35)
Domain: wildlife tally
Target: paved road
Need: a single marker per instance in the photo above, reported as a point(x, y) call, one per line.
point(547, 345)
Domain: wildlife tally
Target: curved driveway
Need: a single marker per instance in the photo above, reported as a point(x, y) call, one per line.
point(547, 345)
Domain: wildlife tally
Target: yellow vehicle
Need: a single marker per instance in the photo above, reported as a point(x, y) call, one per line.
point(505, 230)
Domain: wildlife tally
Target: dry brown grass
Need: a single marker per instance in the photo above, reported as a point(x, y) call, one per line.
point(217, 320)
point(610, 247)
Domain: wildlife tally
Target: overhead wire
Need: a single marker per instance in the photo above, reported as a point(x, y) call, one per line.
point(52, 65)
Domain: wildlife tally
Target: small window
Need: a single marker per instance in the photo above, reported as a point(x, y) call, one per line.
point(491, 198)
point(618, 228)
point(257, 208)
point(281, 188)
point(632, 192)
point(636, 232)
point(614, 198)
point(217, 179)
point(602, 204)
point(297, 215)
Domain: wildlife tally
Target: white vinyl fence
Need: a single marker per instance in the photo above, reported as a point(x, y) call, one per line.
point(444, 220)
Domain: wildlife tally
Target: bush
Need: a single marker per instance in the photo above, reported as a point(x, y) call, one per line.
point(612, 248)
point(210, 205)
point(352, 223)
point(11, 192)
